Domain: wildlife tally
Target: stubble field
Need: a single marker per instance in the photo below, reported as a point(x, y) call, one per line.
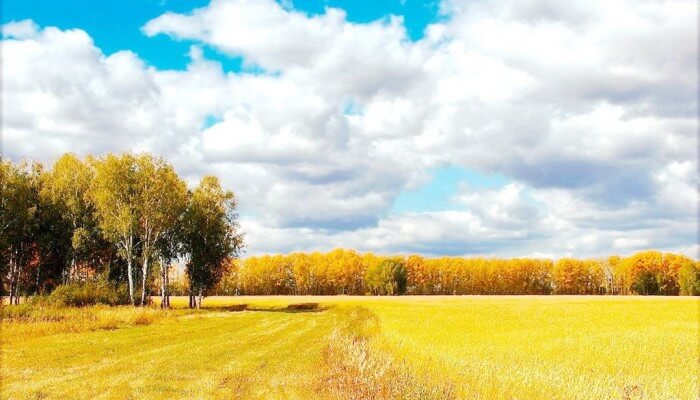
point(482, 347)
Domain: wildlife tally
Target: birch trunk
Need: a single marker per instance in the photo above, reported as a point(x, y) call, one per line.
point(144, 272)
point(130, 269)
point(167, 287)
point(163, 284)
point(15, 278)
point(130, 277)
point(12, 279)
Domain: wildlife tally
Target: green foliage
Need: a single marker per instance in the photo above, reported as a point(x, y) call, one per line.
point(80, 294)
point(210, 235)
point(387, 278)
point(646, 273)
point(83, 217)
point(689, 278)
point(645, 283)
point(20, 224)
point(88, 216)
point(160, 205)
point(114, 193)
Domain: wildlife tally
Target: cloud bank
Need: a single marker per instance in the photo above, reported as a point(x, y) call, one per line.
point(588, 110)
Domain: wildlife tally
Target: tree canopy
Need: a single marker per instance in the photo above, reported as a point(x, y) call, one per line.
point(107, 216)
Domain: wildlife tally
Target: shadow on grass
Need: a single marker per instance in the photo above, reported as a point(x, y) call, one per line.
point(291, 308)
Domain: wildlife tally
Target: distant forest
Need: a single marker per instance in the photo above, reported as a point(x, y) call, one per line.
point(348, 272)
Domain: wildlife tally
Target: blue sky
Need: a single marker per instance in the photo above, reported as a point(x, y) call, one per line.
point(439, 192)
point(493, 127)
point(116, 25)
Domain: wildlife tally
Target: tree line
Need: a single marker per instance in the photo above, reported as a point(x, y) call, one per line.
point(347, 272)
point(129, 217)
point(126, 217)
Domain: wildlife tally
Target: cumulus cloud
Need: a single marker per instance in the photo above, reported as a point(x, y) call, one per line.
point(60, 93)
point(588, 110)
point(20, 29)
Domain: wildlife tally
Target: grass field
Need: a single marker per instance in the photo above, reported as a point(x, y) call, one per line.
point(555, 347)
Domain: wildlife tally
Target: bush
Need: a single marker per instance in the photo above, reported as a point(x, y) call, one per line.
point(79, 294)
point(303, 307)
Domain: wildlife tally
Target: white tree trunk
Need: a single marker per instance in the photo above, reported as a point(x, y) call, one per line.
point(199, 299)
point(143, 280)
point(163, 284)
point(130, 277)
point(12, 279)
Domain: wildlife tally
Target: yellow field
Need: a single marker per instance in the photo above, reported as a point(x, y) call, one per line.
point(555, 347)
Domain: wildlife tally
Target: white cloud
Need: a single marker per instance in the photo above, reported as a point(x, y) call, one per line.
point(507, 208)
point(589, 110)
point(60, 93)
point(20, 29)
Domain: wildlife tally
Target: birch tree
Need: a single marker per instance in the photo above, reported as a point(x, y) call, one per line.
point(19, 202)
point(66, 186)
point(210, 236)
point(115, 195)
point(162, 199)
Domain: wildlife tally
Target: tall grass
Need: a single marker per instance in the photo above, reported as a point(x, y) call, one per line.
point(79, 294)
point(39, 319)
point(355, 367)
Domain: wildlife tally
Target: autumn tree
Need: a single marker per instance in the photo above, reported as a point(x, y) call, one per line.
point(668, 276)
point(168, 247)
point(388, 277)
point(210, 236)
point(51, 236)
point(228, 285)
point(572, 276)
point(161, 198)
point(19, 206)
point(645, 269)
point(689, 278)
point(7, 218)
point(115, 194)
point(66, 186)
point(336, 271)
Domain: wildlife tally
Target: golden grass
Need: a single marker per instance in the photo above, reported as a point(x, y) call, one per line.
point(555, 348)
point(32, 321)
point(356, 368)
point(401, 347)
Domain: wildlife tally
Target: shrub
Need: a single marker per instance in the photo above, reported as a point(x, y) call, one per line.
point(79, 294)
point(303, 307)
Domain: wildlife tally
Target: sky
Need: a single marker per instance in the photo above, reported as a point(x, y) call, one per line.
point(452, 127)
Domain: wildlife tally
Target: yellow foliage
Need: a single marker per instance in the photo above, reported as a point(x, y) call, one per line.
point(343, 271)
